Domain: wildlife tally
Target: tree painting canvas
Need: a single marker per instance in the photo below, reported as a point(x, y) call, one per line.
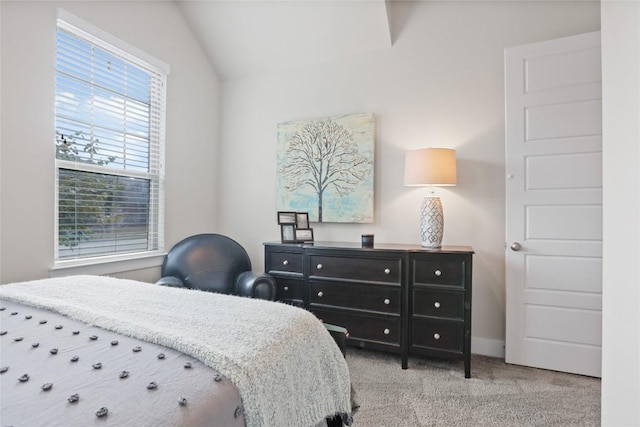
point(325, 167)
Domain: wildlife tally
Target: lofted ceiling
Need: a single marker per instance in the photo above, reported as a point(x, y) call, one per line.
point(244, 38)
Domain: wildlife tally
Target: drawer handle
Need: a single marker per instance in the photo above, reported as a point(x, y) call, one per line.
point(320, 294)
point(387, 331)
point(436, 304)
point(387, 271)
point(286, 288)
point(285, 262)
point(387, 301)
point(438, 273)
point(319, 266)
point(436, 336)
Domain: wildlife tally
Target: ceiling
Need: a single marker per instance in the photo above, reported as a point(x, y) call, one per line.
point(244, 38)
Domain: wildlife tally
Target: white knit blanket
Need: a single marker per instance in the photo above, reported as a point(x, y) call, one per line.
point(286, 366)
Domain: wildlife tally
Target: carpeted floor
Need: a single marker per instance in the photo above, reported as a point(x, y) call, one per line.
point(435, 393)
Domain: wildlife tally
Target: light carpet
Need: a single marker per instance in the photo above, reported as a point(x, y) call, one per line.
point(435, 393)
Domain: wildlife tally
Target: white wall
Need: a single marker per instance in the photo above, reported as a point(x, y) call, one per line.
point(27, 174)
point(621, 196)
point(440, 85)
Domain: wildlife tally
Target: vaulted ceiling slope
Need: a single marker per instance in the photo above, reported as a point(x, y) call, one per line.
point(246, 38)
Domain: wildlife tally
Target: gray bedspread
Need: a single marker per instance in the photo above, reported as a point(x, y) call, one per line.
point(44, 345)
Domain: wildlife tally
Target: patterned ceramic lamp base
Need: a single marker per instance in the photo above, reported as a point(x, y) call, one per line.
point(432, 222)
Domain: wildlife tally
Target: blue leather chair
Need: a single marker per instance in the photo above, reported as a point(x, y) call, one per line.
point(214, 263)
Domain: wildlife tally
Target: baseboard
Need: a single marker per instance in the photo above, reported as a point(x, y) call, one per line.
point(487, 347)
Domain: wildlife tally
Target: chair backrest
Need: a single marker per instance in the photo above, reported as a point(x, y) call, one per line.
point(210, 262)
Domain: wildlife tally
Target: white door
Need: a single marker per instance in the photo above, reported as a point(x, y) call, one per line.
point(554, 204)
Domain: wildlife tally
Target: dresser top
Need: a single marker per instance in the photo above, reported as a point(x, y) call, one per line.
point(401, 247)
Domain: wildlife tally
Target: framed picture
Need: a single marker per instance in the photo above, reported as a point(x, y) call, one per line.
point(324, 166)
point(302, 220)
point(304, 235)
point(286, 217)
point(287, 233)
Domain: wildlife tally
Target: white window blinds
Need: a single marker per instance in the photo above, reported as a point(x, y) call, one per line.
point(109, 148)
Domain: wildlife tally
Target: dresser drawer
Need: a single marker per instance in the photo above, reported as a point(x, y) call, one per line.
point(371, 328)
point(438, 270)
point(385, 299)
point(436, 303)
point(437, 334)
point(384, 270)
point(286, 262)
point(289, 289)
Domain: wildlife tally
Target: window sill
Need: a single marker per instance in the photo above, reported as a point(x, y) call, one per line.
point(107, 265)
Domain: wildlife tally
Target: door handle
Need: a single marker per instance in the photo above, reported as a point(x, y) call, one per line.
point(515, 246)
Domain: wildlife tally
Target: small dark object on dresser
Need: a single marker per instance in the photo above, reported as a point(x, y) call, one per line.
point(367, 240)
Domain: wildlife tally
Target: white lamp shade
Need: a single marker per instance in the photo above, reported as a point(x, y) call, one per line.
point(430, 166)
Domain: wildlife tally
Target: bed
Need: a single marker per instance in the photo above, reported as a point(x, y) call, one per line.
point(89, 350)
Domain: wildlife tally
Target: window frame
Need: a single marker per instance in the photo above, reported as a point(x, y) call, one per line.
point(107, 263)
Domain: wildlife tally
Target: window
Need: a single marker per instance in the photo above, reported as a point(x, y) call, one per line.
point(109, 145)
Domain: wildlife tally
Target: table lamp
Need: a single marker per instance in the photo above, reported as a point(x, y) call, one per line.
point(431, 167)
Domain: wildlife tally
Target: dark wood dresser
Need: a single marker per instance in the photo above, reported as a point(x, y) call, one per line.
point(392, 297)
